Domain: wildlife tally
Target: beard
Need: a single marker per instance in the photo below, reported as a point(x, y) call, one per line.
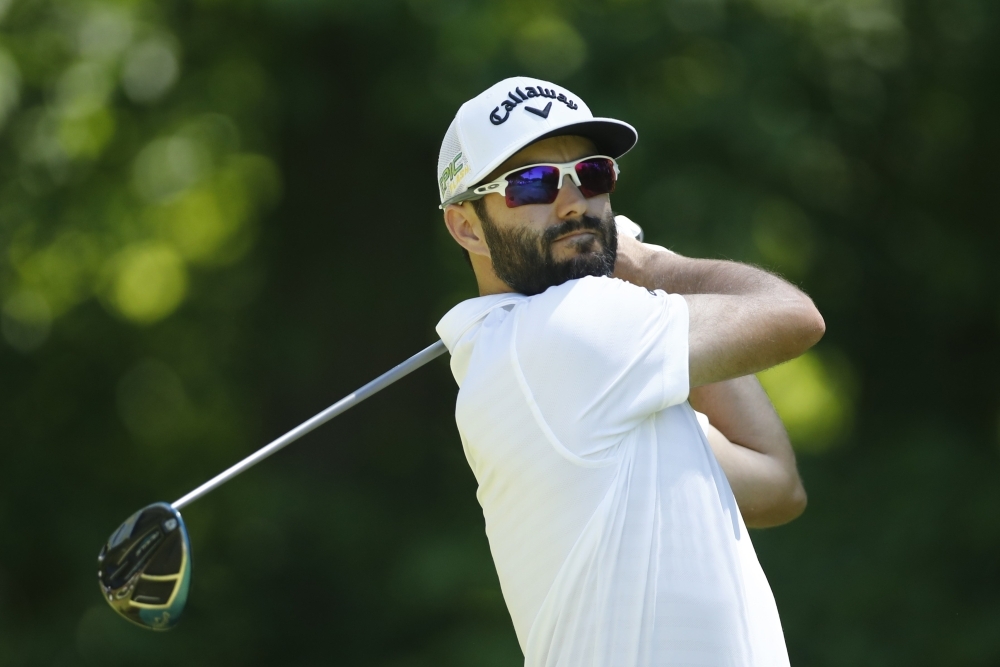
point(523, 258)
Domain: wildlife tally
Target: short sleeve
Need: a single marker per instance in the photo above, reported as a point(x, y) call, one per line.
point(600, 355)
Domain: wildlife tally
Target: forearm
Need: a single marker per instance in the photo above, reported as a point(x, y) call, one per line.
point(742, 319)
point(753, 450)
point(644, 265)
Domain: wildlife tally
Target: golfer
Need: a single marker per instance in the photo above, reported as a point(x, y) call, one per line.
point(617, 521)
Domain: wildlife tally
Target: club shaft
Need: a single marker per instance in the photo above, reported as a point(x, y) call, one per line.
point(381, 382)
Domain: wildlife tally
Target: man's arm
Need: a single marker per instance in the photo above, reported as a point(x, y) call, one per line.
point(742, 320)
point(753, 449)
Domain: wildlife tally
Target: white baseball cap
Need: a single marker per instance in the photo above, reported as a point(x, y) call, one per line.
point(508, 116)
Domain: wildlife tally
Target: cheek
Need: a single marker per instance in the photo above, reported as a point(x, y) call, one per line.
point(531, 217)
point(503, 217)
point(599, 206)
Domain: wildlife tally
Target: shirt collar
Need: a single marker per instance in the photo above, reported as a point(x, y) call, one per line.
point(459, 319)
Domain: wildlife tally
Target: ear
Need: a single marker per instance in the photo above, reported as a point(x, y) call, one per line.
point(464, 226)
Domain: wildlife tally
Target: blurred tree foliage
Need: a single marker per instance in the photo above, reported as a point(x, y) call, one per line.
point(218, 216)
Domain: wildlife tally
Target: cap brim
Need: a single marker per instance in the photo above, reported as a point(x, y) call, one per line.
point(612, 137)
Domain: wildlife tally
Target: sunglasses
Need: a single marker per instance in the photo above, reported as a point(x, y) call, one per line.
point(540, 183)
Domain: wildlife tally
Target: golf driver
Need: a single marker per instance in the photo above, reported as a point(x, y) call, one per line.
point(144, 570)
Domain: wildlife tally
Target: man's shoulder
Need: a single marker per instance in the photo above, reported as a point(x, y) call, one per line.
point(572, 303)
point(589, 312)
point(590, 294)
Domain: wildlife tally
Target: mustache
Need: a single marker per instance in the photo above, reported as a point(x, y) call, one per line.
point(584, 223)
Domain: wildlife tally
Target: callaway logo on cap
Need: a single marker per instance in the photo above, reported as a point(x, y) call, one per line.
point(505, 118)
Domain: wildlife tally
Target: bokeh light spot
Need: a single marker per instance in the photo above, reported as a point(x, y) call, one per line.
point(26, 320)
point(83, 88)
point(167, 166)
point(205, 223)
point(86, 136)
point(62, 271)
point(104, 33)
point(10, 86)
point(151, 69)
point(150, 282)
point(813, 396)
point(197, 224)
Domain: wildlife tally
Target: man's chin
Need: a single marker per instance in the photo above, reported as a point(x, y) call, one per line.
point(593, 263)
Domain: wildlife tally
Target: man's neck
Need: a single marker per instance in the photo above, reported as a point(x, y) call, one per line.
point(487, 278)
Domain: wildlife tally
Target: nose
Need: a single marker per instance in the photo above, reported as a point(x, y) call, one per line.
point(570, 202)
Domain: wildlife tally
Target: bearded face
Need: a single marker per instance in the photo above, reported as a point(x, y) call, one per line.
point(523, 258)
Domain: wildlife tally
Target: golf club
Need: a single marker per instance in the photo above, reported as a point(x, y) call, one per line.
point(144, 569)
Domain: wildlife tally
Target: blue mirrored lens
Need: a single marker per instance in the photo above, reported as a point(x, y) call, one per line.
point(534, 185)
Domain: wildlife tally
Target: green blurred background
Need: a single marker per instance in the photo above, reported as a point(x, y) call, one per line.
point(219, 216)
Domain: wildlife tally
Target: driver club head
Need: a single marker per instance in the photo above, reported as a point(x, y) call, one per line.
point(144, 570)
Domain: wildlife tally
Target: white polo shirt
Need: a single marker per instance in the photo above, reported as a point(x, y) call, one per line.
point(615, 535)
